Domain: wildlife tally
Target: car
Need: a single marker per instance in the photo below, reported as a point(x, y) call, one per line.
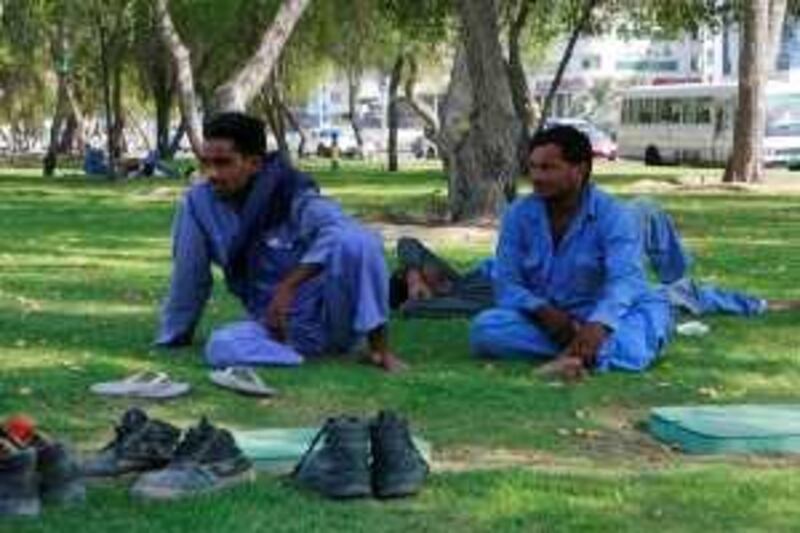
point(603, 146)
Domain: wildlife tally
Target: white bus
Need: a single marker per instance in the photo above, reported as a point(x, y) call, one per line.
point(693, 123)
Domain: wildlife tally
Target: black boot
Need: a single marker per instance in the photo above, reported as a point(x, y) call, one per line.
point(140, 444)
point(338, 467)
point(60, 479)
point(19, 491)
point(398, 468)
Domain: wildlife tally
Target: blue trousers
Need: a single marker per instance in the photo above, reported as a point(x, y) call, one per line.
point(331, 312)
point(507, 334)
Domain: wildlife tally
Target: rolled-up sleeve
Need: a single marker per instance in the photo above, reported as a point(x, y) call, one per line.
point(319, 221)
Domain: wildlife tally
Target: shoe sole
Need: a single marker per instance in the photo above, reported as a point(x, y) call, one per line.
point(401, 490)
point(166, 493)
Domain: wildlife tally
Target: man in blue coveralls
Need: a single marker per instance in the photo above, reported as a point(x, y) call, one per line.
point(570, 285)
point(311, 279)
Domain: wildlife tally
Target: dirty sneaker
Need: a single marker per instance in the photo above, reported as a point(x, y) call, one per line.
point(336, 463)
point(398, 468)
point(140, 444)
point(206, 460)
point(19, 491)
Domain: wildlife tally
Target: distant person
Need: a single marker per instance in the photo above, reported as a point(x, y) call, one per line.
point(312, 279)
point(94, 161)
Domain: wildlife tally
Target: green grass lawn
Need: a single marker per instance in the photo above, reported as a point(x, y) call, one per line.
point(84, 264)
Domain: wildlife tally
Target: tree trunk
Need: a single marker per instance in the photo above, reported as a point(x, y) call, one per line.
point(454, 119)
point(118, 139)
point(51, 157)
point(777, 17)
point(271, 102)
point(295, 124)
point(393, 118)
point(746, 164)
point(76, 144)
point(184, 79)
point(580, 26)
point(353, 87)
point(239, 90)
point(163, 103)
point(516, 69)
point(428, 116)
point(105, 68)
point(488, 164)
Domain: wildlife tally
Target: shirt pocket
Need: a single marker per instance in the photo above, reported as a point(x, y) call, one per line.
point(534, 271)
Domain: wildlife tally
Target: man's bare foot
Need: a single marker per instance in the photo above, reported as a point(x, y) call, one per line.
point(569, 369)
point(386, 361)
point(783, 305)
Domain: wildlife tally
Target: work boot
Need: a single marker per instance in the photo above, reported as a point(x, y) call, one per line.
point(206, 460)
point(19, 491)
point(140, 444)
point(398, 468)
point(337, 467)
point(60, 479)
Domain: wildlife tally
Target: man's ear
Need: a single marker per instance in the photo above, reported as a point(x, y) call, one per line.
point(253, 162)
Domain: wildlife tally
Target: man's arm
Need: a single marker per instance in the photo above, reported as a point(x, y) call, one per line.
point(624, 281)
point(512, 292)
point(190, 282)
point(317, 220)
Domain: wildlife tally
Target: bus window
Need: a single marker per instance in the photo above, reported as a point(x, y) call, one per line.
point(689, 111)
point(704, 111)
point(646, 111)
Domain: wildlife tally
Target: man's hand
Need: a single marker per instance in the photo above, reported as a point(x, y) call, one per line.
point(586, 343)
point(277, 319)
point(557, 323)
point(417, 288)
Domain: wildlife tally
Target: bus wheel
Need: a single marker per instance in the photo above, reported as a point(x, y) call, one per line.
point(652, 156)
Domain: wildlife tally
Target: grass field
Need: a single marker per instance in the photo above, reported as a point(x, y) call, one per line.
point(83, 266)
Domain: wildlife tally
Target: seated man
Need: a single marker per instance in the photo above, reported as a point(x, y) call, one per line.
point(311, 279)
point(569, 283)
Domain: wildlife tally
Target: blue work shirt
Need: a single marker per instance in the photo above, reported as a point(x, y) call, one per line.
point(595, 273)
point(203, 229)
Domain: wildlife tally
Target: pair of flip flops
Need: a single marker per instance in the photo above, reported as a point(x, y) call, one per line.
point(159, 386)
point(153, 385)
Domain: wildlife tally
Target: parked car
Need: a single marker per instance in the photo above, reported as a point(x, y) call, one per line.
point(603, 145)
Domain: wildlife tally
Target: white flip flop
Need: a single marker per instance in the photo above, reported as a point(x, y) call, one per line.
point(241, 379)
point(147, 384)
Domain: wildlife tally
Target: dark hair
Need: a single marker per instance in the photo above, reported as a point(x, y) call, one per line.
point(575, 145)
point(246, 132)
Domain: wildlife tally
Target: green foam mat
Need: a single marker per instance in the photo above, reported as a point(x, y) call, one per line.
point(277, 450)
point(729, 428)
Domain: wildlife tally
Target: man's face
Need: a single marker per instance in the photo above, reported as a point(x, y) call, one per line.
point(552, 176)
point(226, 168)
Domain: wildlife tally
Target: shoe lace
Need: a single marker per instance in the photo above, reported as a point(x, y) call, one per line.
point(127, 426)
point(325, 431)
point(193, 440)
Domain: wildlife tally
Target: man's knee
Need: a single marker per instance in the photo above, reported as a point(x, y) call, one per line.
point(357, 243)
point(487, 331)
